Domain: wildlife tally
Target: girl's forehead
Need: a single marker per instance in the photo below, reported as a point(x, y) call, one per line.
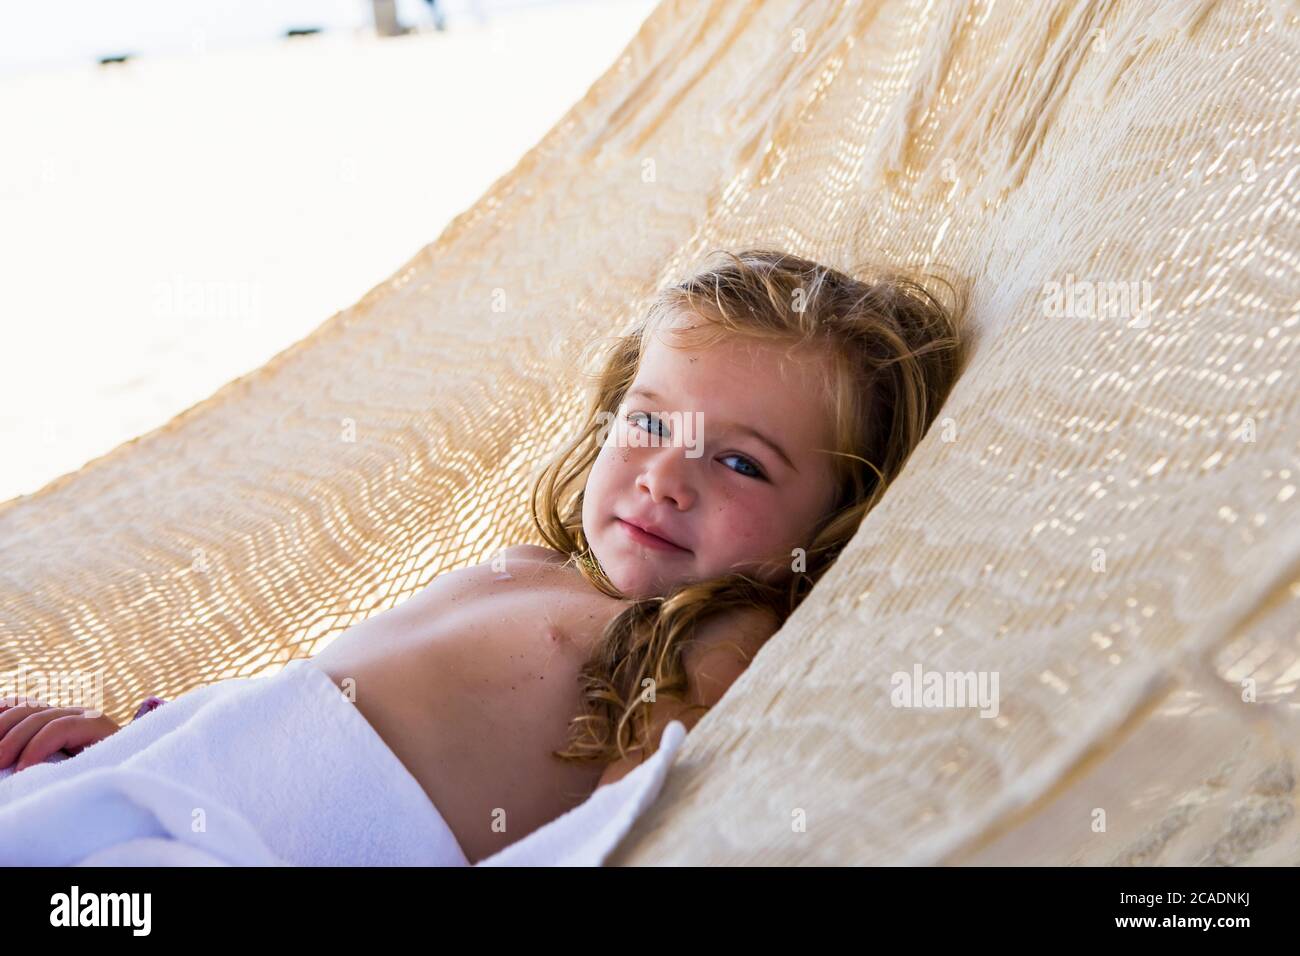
point(736, 360)
point(745, 381)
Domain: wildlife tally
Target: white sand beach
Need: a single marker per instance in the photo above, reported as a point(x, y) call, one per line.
point(172, 222)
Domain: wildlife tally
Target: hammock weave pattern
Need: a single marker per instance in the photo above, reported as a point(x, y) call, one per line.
point(1105, 515)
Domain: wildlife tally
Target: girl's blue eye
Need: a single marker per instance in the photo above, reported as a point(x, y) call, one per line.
point(643, 415)
point(757, 473)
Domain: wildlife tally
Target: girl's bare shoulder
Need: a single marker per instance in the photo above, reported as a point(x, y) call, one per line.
point(536, 552)
point(722, 648)
point(716, 655)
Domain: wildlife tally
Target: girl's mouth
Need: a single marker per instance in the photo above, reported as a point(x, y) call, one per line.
point(649, 540)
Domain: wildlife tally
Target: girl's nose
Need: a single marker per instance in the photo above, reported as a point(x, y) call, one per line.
point(664, 477)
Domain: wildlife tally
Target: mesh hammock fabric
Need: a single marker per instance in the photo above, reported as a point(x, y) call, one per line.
point(1105, 514)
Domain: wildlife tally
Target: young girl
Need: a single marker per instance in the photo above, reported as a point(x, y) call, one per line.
point(734, 441)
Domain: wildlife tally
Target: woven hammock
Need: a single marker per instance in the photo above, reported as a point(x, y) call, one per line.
point(1105, 515)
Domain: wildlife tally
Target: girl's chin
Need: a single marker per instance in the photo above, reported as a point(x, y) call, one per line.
point(637, 584)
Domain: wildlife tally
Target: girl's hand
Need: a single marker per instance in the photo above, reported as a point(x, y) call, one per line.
point(30, 731)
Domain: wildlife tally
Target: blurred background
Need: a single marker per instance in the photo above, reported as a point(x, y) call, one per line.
point(188, 188)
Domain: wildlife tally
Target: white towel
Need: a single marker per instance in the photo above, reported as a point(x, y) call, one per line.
point(279, 770)
point(248, 772)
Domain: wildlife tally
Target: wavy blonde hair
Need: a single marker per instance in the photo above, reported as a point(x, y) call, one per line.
point(896, 353)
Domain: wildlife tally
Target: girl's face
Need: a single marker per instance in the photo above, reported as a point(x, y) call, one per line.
point(721, 451)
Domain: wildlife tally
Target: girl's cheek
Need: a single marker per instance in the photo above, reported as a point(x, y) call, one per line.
point(614, 451)
point(740, 523)
point(621, 446)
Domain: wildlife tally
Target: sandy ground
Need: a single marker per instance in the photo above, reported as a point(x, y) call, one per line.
point(171, 223)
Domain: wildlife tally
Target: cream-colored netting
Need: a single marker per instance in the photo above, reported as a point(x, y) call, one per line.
point(1105, 515)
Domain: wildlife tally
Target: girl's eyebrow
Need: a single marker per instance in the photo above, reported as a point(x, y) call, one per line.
point(735, 426)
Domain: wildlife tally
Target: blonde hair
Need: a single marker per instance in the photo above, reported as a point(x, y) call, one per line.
point(896, 353)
